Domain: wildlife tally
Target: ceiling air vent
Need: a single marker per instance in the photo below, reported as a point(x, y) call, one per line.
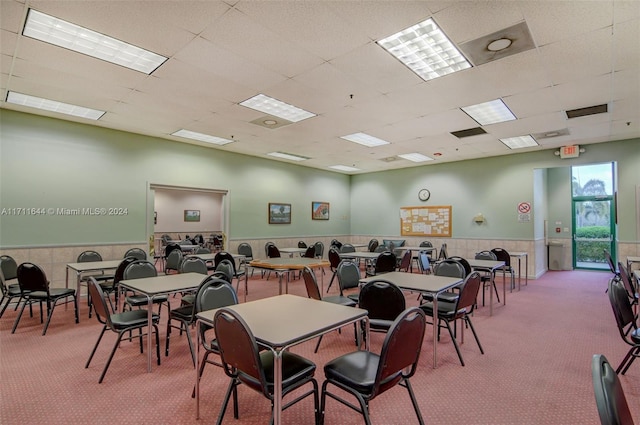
point(551, 134)
point(468, 132)
point(389, 159)
point(590, 110)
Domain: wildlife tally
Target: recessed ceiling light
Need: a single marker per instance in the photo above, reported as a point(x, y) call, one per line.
point(277, 108)
point(519, 142)
point(344, 168)
point(491, 112)
point(289, 156)
point(53, 106)
point(416, 157)
point(61, 33)
point(364, 139)
point(499, 44)
point(187, 134)
point(437, 154)
point(270, 122)
point(426, 50)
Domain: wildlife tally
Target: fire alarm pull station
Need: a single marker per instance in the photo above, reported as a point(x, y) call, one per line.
point(557, 230)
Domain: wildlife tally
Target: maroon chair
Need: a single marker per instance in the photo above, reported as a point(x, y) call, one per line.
point(366, 375)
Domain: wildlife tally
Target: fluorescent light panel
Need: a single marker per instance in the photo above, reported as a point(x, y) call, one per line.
point(289, 156)
point(364, 139)
point(53, 106)
point(187, 134)
point(519, 142)
point(426, 50)
point(61, 33)
point(491, 112)
point(344, 168)
point(277, 108)
point(415, 157)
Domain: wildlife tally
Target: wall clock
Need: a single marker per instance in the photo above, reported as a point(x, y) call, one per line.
point(424, 194)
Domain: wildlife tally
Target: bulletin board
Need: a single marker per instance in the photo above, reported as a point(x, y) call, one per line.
point(434, 221)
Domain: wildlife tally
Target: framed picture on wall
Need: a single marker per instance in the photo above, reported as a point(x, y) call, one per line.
point(191, 215)
point(319, 210)
point(279, 213)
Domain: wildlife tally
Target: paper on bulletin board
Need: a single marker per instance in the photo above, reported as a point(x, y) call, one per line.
point(425, 221)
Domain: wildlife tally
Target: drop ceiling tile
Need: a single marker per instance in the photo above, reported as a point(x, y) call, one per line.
point(533, 103)
point(11, 16)
point(584, 92)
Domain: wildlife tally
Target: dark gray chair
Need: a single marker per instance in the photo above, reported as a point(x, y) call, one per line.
point(173, 261)
point(119, 323)
point(384, 301)
point(626, 322)
point(449, 268)
point(140, 269)
point(193, 265)
point(503, 255)
point(386, 262)
point(34, 288)
point(610, 400)
point(462, 309)
point(9, 283)
point(367, 375)
point(348, 278)
point(488, 278)
point(136, 253)
point(334, 260)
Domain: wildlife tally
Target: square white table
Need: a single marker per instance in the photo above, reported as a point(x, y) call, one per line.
point(281, 266)
point(281, 322)
point(519, 255)
point(160, 285)
point(490, 266)
point(86, 268)
point(427, 283)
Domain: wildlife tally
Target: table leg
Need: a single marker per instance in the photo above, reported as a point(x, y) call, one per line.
point(246, 283)
point(504, 285)
point(277, 387)
point(150, 325)
point(197, 387)
point(526, 269)
point(519, 272)
point(436, 323)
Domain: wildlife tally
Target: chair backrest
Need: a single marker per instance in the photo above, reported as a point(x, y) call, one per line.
point(302, 244)
point(214, 292)
point(310, 252)
point(443, 254)
point(622, 310)
point(224, 255)
point(405, 262)
point(382, 299)
point(266, 248)
point(199, 239)
point(610, 400)
point(174, 259)
point(334, 258)
point(380, 248)
point(202, 250)
point(467, 267)
point(469, 293)
point(486, 255)
point(273, 251)
point(336, 243)
point(170, 248)
point(347, 247)
point(8, 267)
point(626, 280)
point(226, 267)
point(140, 269)
point(32, 278)
point(245, 249)
point(502, 255)
point(450, 268)
point(136, 253)
point(426, 244)
point(119, 273)
point(373, 244)
point(400, 350)
point(611, 264)
point(165, 239)
point(311, 284)
point(89, 256)
point(348, 275)
point(423, 261)
point(99, 302)
point(239, 350)
point(386, 262)
point(319, 249)
point(219, 274)
point(193, 265)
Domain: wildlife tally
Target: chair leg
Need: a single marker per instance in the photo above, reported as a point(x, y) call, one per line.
point(467, 320)
point(455, 342)
point(331, 281)
point(318, 344)
point(155, 327)
point(15, 323)
point(95, 347)
point(628, 359)
point(225, 403)
point(414, 401)
point(113, 351)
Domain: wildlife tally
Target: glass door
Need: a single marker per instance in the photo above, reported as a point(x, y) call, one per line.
point(593, 209)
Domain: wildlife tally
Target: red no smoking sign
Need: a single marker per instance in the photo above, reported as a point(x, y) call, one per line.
point(524, 207)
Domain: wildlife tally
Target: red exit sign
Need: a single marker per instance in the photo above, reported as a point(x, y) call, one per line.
point(572, 151)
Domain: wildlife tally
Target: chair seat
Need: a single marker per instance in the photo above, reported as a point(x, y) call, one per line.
point(188, 299)
point(445, 310)
point(380, 324)
point(339, 299)
point(13, 291)
point(139, 300)
point(356, 370)
point(184, 313)
point(54, 292)
point(131, 318)
point(294, 367)
point(448, 297)
point(101, 277)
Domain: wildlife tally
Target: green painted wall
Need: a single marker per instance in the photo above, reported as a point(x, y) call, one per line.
point(49, 164)
point(492, 186)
